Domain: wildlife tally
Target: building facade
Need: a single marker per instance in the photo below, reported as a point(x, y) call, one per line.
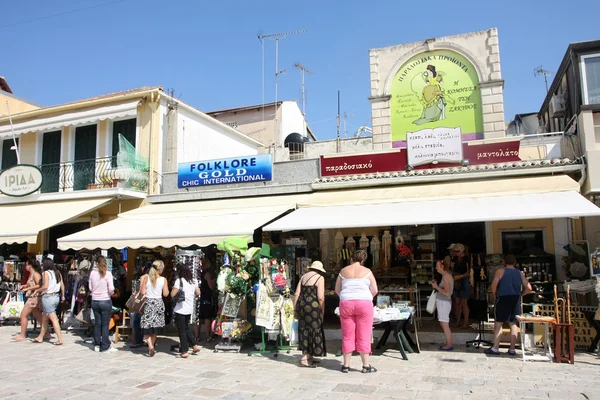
point(97, 158)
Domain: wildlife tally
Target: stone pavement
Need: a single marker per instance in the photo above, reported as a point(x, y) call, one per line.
point(75, 371)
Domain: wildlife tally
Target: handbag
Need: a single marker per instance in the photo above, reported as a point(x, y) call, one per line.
point(136, 303)
point(12, 306)
point(85, 316)
point(180, 296)
point(431, 302)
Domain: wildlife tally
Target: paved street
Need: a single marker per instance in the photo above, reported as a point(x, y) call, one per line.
point(74, 371)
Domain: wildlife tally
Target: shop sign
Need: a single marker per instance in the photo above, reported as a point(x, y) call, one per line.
point(436, 89)
point(397, 160)
point(363, 163)
point(20, 180)
point(429, 145)
point(244, 169)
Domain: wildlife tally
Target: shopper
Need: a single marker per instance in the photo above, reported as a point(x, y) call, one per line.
point(101, 287)
point(461, 271)
point(207, 311)
point(508, 286)
point(184, 309)
point(356, 287)
point(51, 287)
point(136, 317)
point(443, 302)
point(33, 302)
point(154, 286)
point(309, 303)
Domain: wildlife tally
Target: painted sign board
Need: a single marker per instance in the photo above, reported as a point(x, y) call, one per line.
point(584, 332)
point(429, 145)
point(20, 180)
point(397, 159)
point(243, 169)
point(436, 89)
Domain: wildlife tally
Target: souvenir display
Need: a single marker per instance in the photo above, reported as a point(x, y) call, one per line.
point(386, 243)
point(350, 243)
point(363, 242)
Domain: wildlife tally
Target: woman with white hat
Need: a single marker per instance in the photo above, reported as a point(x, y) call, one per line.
point(309, 303)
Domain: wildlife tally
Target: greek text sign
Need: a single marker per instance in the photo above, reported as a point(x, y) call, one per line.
point(362, 163)
point(396, 160)
point(20, 180)
point(229, 170)
point(435, 89)
point(439, 144)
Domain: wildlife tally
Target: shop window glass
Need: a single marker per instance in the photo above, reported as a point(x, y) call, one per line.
point(591, 78)
point(518, 241)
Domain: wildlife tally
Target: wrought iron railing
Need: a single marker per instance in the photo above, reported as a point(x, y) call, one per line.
point(96, 173)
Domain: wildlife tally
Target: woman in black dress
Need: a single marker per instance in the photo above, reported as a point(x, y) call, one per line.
point(309, 303)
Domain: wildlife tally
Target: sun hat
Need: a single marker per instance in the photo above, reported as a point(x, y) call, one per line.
point(317, 265)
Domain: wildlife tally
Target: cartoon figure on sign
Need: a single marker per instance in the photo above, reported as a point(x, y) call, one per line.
point(428, 86)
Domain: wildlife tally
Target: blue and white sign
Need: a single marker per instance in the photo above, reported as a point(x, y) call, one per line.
point(229, 170)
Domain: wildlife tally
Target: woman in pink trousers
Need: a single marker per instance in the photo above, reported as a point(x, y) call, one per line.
point(356, 287)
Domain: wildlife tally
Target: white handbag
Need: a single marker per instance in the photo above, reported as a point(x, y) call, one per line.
point(431, 302)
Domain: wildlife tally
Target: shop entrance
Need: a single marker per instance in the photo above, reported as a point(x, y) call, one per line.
point(471, 234)
point(63, 230)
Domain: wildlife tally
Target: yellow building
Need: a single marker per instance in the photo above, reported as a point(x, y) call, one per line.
point(87, 174)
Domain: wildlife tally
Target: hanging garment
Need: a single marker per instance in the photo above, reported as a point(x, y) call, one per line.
point(351, 243)
point(375, 248)
point(386, 243)
point(324, 246)
point(363, 243)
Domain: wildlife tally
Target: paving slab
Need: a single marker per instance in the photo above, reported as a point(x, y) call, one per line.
point(75, 371)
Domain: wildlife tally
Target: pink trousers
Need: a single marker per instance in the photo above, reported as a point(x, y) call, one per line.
point(356, 317)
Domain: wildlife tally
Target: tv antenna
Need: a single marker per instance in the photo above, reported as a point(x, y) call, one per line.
point(541, 71)
point(303, 69)
point(276, 37)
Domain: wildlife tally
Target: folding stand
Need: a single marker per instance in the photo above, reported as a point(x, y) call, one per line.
point(479, 311)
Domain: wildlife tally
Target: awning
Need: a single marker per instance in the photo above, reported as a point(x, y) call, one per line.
point(175, 224)
point(74, 118)
point(20, 223)
point(494, 200)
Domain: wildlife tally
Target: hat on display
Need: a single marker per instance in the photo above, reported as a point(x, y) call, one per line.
point(317, 265)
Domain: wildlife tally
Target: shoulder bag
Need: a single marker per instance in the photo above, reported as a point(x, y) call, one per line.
point(431, 302)
point(180, 296)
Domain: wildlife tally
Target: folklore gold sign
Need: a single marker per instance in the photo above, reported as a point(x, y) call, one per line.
point(437, 89)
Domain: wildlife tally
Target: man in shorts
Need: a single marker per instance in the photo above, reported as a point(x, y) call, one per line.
point(508, 286)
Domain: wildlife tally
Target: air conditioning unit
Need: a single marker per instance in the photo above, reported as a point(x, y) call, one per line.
point(557, 106)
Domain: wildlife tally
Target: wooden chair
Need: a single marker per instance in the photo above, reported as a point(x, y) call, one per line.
point(125, 326)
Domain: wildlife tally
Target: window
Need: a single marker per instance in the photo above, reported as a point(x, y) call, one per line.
point(590, 76)
point(9, 156)
point(125, 128)
point(516, 242)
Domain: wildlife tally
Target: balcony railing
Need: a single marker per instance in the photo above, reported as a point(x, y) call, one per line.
point(98, 173)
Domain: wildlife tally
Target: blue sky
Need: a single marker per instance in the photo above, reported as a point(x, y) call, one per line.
point(208, 52)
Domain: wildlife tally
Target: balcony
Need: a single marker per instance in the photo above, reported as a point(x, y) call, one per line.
point(99, 173)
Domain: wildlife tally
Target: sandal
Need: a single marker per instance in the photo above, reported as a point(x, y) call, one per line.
point(151, 352)
point(368, 369)
point(345, 370)
point(35, 341)
point(184, 355)
point(196, 350)
point(58, 343)
point(307, 364)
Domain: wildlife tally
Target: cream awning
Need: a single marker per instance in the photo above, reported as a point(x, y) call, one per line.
point(477, 201)
point(176, 224)
point(20, 223)
point(74, 118)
